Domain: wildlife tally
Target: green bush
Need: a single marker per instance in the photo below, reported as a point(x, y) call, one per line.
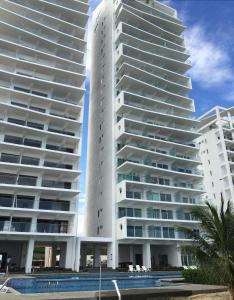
point(203, 276)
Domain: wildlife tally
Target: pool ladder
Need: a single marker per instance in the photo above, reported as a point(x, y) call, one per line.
point(117, 289)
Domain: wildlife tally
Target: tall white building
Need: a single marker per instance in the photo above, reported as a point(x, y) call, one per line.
point(217, 152)
point(142, 176)
point(42, 74)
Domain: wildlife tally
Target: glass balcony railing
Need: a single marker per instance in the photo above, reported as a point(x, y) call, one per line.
point(8, 226)
point(159, 181)
point(162, 197)
point(53, 205)
point(52, 228)
point(152, 136)
point(160, 166)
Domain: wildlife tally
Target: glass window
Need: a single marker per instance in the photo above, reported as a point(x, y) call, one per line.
point(130, 231)
point(138, 231)
point(137, 212)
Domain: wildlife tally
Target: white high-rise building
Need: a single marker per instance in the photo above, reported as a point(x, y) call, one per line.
point(42, 86)
point(142, 176)
point(216, 145)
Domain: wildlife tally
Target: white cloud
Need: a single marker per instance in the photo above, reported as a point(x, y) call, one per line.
point(211, 64)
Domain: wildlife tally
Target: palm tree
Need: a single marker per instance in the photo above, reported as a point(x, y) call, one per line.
point(213, 247)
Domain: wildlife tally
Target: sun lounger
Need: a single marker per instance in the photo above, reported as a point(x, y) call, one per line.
point(138, 268)
point(144, 269)
point(131, 269)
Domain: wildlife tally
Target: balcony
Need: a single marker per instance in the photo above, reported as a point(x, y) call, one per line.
point(32, 181)
point(144, 21)
point(132, 165)
point(154, 104)
point(162, 182)
point(57, 24)
point(156, 131)
point(136, 112)
point(32, 41)
point(151, 47)
point(47, 73)
point(154, 16)
point(19, 227)
point(40, 228)
point(146, 36)
point(151, 152)
point(60, 228)
point(53, 119)
point(79, 19)
point(37, 55)
point(142, 197)
point(176, 79)
point(170, 65)
point(148, 78)
point(21, 129)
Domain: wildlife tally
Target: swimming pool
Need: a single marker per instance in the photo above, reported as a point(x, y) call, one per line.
point(89, 282)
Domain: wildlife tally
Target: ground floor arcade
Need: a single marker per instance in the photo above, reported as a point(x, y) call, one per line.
point(152, 255)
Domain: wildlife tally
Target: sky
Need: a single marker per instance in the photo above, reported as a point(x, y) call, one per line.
point(210, 40)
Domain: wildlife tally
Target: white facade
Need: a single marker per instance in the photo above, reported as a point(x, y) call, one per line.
point(217, 152)
point(142, 175)
point(42, 75)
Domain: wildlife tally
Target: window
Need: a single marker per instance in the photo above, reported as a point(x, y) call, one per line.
point(154, 231)
point(165, 197)
point(168, 232)
point(167, 214)
point(153, 213)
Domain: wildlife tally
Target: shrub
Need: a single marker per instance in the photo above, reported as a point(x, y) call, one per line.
point(203, 276)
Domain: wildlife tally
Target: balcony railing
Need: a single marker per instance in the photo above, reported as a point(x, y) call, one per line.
point(157, 197)
point(15, 226)
point(152, 136)
point(158, 181)
point(9, 226)
point(52, 228)
point(160, 166)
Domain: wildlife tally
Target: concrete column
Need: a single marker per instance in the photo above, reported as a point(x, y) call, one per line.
point(23, 255)
point(97, 256)
point(146, 255)
point(83, 255)
point(77, 255)
point(110, 260)
point(131, 254)
point(67, 254)
point(176, 256)
point(29, 256)
point(54, 253)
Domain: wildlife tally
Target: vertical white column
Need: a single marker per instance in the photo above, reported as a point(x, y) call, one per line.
point(29, 256)
point(131, 254)
point(77, 255)
point(97, 256)
point(110, 260)
point(146, 255)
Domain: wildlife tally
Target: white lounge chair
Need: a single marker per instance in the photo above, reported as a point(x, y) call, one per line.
point(131, 269)
point(144, 269)
point(185, 267)
point(138, 268)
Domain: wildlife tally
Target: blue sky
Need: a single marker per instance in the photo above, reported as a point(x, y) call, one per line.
point(210, 40)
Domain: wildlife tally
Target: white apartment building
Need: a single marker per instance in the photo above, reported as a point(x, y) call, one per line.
point(42, 75)
point(142, 175)
point(217, 152)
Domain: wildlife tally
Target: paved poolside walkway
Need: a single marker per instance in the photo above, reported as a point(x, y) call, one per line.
point(130, 294)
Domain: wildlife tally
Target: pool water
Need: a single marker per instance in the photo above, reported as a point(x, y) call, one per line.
point(89, 282)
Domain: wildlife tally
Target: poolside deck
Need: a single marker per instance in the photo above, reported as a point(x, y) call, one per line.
point(181, 290)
